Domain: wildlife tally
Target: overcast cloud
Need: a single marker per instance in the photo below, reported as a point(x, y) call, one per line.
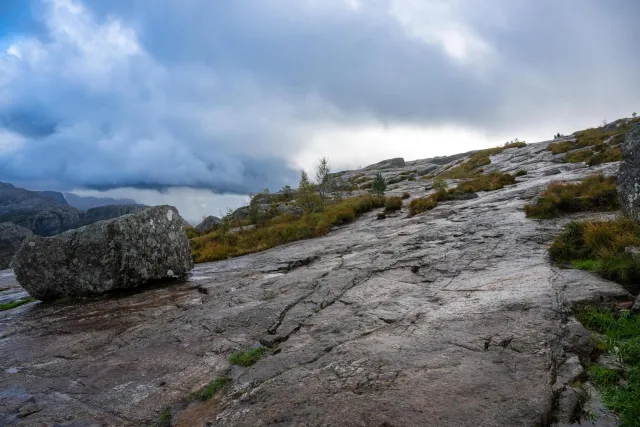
point(236, 96)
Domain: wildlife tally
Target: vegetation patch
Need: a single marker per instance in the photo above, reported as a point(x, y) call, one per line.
point(164, 420)
point(211, 389)
point(480, 158)
point(620, 389)
point(595, 193)
point(247, 357)
point(191, 232)
point(487, 182)
point(14, 304)
point(599, 246)
point(598, 155)
point(405, 195)
point(223, 244)
point(561, 147)
point(392, 204)
point(521, 172)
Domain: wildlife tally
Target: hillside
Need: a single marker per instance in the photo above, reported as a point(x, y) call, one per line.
point(454, 316)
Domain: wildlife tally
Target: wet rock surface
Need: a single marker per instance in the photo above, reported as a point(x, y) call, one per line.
point(454, 317)
point(117, 254)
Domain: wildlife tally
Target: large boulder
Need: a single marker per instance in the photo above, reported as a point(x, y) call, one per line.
point(11, 237)
point(628, 182)
point(121, 253)
point(208, 224)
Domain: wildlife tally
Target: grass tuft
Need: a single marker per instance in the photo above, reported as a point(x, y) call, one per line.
point(405, 195)
point(595, 193)
point(14, 304)
point(392, 204)
point(211, 389)
point(521, 172)
point(599, 246)
point(247, 357)
point(165, 418)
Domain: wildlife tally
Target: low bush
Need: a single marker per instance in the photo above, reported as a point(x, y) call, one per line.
point(578, 156)
point(392, 204)
point(405, 195)
point(620, 389)
point(608, 155)
point(595, 193)
point(247, 357)
point(599, 246)
point(521, 172)
point(489, 182)
point(191, 232)
point(223, 244)
point(422, 204)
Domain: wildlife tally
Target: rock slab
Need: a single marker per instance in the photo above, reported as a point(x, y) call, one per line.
point(122, 253)
point(628, 182)
point(11, 237)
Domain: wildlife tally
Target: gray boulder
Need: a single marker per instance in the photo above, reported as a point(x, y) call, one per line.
point(116, 254)
point(628, 182)
point(11, 237)
point(208, 224)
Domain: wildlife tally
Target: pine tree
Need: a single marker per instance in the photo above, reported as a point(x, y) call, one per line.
point(323, 181)
point(378, 185)
point(307, 197)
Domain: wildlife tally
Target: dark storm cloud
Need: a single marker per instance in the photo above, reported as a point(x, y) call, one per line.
point(222, 95)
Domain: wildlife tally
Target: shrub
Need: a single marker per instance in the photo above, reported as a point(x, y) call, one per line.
point(514, 144)
point(191, 232)
point(247, 357)
point(222, 244)
point(488, 182)
point(381, 216)
point(521, 172)
point(392, 204)
point(560, 147)
point(405, 195)
point(610, 154)
point(599, 246)
point(422, 204)
point(595, 193)
point(378, 185)
point(578, 156)
point(439, 184)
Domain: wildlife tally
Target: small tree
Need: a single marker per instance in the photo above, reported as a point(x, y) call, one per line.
point(307, 197)
point(439, 184)
point(287, 192)
point(323, 180)
point(378, 185)
point(634, 115)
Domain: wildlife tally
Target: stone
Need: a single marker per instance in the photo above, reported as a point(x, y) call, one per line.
point(120, 253)
point(553, 171)
point(208, 224)
point(577, 339)
point(636, 304)
point(568, 404)
point(11, 237)
point(628, 182)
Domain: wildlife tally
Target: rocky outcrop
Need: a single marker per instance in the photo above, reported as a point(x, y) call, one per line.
point(121, 253)
point(454, 317)
point(209, 224)
point(11, 237)
point(628, 182)
point(54, 196)
point(397, 162)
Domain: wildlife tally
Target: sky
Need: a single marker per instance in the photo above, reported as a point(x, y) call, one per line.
point(198, 103)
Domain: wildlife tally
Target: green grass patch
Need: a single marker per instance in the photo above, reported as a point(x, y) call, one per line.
point(211, 389)
point(599, 246)
point(14, 304)
point(620, 389)
point(594, 193)
point(521, 172)
point(405, 196)
point(578, 156)
point(247, 357)
point(560, 147)
point(223, 244)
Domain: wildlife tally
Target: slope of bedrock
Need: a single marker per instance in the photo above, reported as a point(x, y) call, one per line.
point(452, 318)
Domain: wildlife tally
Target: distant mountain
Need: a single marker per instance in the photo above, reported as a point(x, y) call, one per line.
point(54, 196)
point(45, 214)
point(84, 203)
